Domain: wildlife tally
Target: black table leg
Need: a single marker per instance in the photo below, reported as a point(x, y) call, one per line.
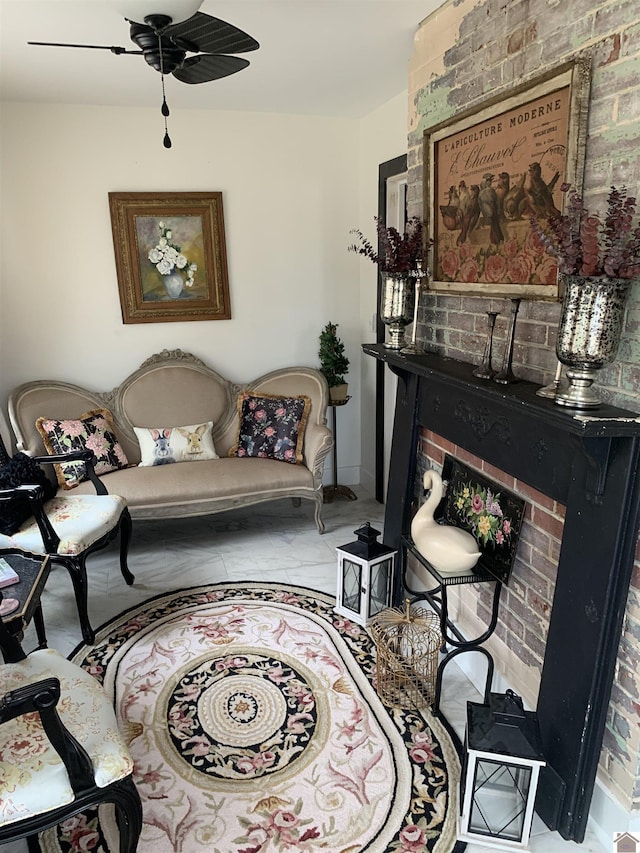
point(336, 491)
point(38, 621)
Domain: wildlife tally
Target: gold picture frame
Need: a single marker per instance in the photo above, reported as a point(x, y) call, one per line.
point(171, 259)
point(488, 169)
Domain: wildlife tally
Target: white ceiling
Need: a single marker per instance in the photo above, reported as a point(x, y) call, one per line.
point(317, 57)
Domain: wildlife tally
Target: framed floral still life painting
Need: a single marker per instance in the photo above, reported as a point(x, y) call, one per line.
point(489, 170)
point(491, 513)
point(171, 258)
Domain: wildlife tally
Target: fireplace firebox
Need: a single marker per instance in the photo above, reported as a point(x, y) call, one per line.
point(587, 462)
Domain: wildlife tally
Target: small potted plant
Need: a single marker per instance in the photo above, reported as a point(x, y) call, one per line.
point(333, 362)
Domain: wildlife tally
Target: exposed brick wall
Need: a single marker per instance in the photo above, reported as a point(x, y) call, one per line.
point(525, 604)
point(457, 325)
point(465, 52)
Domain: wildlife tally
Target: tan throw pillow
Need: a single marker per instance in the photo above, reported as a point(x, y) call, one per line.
point(93, 431)
point(271, 427)
point(165, 445)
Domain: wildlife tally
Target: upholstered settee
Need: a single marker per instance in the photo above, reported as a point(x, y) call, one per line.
point(175, 389)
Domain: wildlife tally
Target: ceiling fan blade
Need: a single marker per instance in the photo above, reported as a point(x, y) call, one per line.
point(211, 35)
point(112, 48)
point(205, 67)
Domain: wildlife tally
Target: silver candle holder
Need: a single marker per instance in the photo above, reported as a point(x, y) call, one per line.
point(485, 370)
point(506, 376)
point(414, 348)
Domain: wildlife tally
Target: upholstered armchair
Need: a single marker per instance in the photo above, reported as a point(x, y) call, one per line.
point(76, 756)
point(67, 528)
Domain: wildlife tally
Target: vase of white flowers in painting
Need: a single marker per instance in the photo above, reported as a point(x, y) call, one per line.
point(597, 260)
point(174, 267)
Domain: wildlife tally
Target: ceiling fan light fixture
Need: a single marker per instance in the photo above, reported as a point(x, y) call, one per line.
point(138, 10)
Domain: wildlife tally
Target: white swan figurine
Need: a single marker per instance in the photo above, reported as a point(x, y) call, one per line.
point(449, 549)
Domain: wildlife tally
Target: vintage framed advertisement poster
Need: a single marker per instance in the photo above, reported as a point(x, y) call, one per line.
point(171, 258)
point(489, 170)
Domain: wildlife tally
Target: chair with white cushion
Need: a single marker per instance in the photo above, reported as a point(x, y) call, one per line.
point(60, 748)
point(67, 528)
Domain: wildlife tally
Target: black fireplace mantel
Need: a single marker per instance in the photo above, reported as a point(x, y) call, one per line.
point(588, 462)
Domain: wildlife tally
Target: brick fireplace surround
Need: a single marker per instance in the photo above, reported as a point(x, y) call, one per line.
point(587, 463)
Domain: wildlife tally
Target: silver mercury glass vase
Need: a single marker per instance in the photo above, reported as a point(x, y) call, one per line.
point(396, 309)
point(589, 333)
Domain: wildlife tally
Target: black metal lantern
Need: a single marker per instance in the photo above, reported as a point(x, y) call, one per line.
point(499, 778)
point(365, 576)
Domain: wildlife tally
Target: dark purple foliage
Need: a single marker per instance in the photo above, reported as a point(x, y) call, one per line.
point(399, 253)
point(585, 245)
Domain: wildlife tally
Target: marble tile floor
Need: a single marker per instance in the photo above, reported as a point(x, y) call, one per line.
point(275, 542)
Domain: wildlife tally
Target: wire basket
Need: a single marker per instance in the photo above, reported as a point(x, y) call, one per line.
point(407, 645)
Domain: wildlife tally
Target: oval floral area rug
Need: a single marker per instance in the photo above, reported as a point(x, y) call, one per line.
point(255, 727)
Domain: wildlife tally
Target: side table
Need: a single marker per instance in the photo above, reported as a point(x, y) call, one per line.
point(437, 599)
point(33, 575)
point(333, 491)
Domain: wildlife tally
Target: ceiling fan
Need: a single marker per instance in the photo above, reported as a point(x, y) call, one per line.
point(165, 40)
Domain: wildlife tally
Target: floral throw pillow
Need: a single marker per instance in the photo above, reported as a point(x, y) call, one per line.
point(94, 431)
point(271, 427)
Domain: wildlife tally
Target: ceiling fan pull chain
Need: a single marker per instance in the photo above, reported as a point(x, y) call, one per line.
point(164, 109)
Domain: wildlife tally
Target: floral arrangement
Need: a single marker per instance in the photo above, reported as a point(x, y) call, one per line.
point(514, 260)
point(399, 253)
point(167, 257)
point(585, 244)
point(480, 509)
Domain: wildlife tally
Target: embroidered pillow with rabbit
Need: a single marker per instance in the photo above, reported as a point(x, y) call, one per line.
point(166, 445)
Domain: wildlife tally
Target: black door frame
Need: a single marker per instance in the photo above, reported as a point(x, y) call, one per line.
point(386, 170)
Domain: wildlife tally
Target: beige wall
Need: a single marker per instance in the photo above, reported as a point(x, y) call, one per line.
point(287, 231)
point(290, 192)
